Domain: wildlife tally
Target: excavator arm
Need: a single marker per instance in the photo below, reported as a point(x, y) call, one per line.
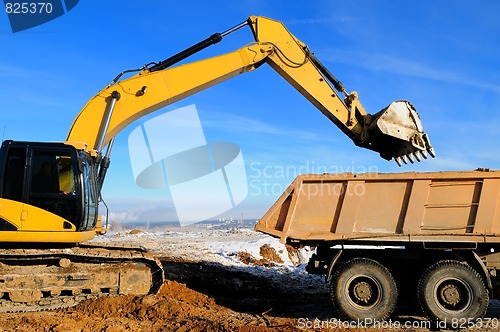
point(395, 132)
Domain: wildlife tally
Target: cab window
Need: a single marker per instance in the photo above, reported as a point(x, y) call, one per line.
point(52, 179)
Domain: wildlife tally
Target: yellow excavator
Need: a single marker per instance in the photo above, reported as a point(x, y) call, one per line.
point(50, 192)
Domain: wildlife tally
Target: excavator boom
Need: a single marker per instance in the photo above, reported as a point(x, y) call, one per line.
point(395, 132)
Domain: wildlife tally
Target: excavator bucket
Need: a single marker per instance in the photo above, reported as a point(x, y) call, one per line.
point(397, 132)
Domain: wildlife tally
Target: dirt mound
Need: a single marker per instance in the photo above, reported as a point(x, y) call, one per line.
point(175, 308)
point(248, 259)
point(269, 253)
point(269, 257)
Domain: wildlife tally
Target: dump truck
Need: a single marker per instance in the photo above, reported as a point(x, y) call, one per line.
point(430, 239)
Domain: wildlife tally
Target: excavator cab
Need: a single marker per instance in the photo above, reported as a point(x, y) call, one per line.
point(49, 178)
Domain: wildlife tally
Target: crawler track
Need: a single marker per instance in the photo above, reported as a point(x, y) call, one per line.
point(42, 279)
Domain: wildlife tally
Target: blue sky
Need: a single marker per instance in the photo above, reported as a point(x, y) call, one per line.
point(443, 56)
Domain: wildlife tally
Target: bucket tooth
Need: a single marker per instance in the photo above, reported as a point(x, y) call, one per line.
point(417, 156)
point(431, 152)
point(398, 161)
point(410, 158)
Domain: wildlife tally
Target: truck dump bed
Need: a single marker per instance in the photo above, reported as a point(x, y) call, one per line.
point(444, 207)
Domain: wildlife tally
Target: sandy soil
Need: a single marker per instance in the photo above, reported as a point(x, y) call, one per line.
point(204, 293)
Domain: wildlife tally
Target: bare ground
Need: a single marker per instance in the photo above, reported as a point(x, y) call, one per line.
point(209, 296)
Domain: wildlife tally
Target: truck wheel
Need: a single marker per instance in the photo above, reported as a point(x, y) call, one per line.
point(363, 289)
point(449, 290)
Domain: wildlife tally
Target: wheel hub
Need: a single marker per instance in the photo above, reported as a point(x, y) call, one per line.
point(363, 291)
point(450, 294)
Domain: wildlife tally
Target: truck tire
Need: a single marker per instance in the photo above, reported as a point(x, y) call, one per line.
point(450, 290)
point(363, 289)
